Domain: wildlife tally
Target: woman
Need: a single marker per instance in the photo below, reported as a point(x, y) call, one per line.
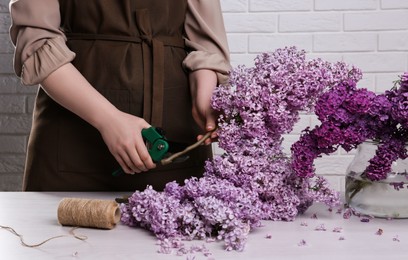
point(107, 69)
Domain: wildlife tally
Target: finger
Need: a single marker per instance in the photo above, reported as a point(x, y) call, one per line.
point(200, 122)
point(145, 125)
point(206, 142)
point(144, 156)
point(214, 135)
point(136, 167)
point(210, 122)
point(199, 118)
point(123, 165)
point(136, 161)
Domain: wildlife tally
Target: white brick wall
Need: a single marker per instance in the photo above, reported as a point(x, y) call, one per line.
point(371, 34)
point(394, 4)
point(345, 5)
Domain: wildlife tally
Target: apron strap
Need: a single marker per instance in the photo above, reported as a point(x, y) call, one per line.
point(153, 62)
point(153, 50)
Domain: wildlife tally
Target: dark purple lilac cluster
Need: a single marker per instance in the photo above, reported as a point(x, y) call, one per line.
point(253, 180)
point(350, 116)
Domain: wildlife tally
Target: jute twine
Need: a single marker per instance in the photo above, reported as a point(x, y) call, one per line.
point(93, 213)
point(14, 232)
point(80, 213)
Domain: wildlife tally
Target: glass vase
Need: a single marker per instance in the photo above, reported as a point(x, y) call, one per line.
point(387, 198)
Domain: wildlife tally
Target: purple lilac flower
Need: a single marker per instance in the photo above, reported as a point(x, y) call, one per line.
point(360, 102)
point(365, 220)
point(302, 243)
point(397, 185)
point(254, 179)
point(321, 193)
point(337, 229)
point(403, 83)
point(348, 213)
point(321, 227)
point(400, 110)
point(350, 116)
point(386, 154)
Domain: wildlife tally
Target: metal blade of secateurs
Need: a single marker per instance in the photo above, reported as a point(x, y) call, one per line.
point(175, 147)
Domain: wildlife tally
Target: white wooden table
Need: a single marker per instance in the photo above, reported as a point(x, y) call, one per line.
point(34, 215)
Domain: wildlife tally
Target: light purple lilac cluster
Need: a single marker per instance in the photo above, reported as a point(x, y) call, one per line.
point(253, 180)
point(350, 116)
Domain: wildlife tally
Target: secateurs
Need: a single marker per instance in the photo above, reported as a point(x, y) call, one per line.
point(162, 150)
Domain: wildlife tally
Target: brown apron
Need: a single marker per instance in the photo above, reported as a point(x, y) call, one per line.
point(131, 51)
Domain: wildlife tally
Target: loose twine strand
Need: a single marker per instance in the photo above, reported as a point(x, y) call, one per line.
point(76, 212)
point(71, 232)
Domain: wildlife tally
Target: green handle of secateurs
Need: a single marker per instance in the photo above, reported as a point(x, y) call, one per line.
point(157, 145)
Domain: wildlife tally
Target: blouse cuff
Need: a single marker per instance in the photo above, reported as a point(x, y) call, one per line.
point(48, 58)
point(197, 60)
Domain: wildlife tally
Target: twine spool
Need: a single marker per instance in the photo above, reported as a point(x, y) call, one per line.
point(88, 213)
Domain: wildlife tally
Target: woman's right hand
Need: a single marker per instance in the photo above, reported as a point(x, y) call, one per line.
point(122, 134)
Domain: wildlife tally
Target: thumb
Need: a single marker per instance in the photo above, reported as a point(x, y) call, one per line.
point(210, 122)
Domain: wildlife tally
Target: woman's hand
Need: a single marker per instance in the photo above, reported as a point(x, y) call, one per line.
point(202, 84)
point(122, 134)
point(120, 131)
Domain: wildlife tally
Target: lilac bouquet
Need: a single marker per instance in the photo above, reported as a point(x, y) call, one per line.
point(352, 115)
point(253, 180)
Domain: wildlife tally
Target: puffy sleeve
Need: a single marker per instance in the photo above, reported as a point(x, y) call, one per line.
point(40, 46)
point(205, 35)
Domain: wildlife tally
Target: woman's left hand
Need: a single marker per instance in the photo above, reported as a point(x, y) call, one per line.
point(202, 84)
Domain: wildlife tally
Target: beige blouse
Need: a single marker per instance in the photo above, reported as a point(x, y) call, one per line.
point(41, 48)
